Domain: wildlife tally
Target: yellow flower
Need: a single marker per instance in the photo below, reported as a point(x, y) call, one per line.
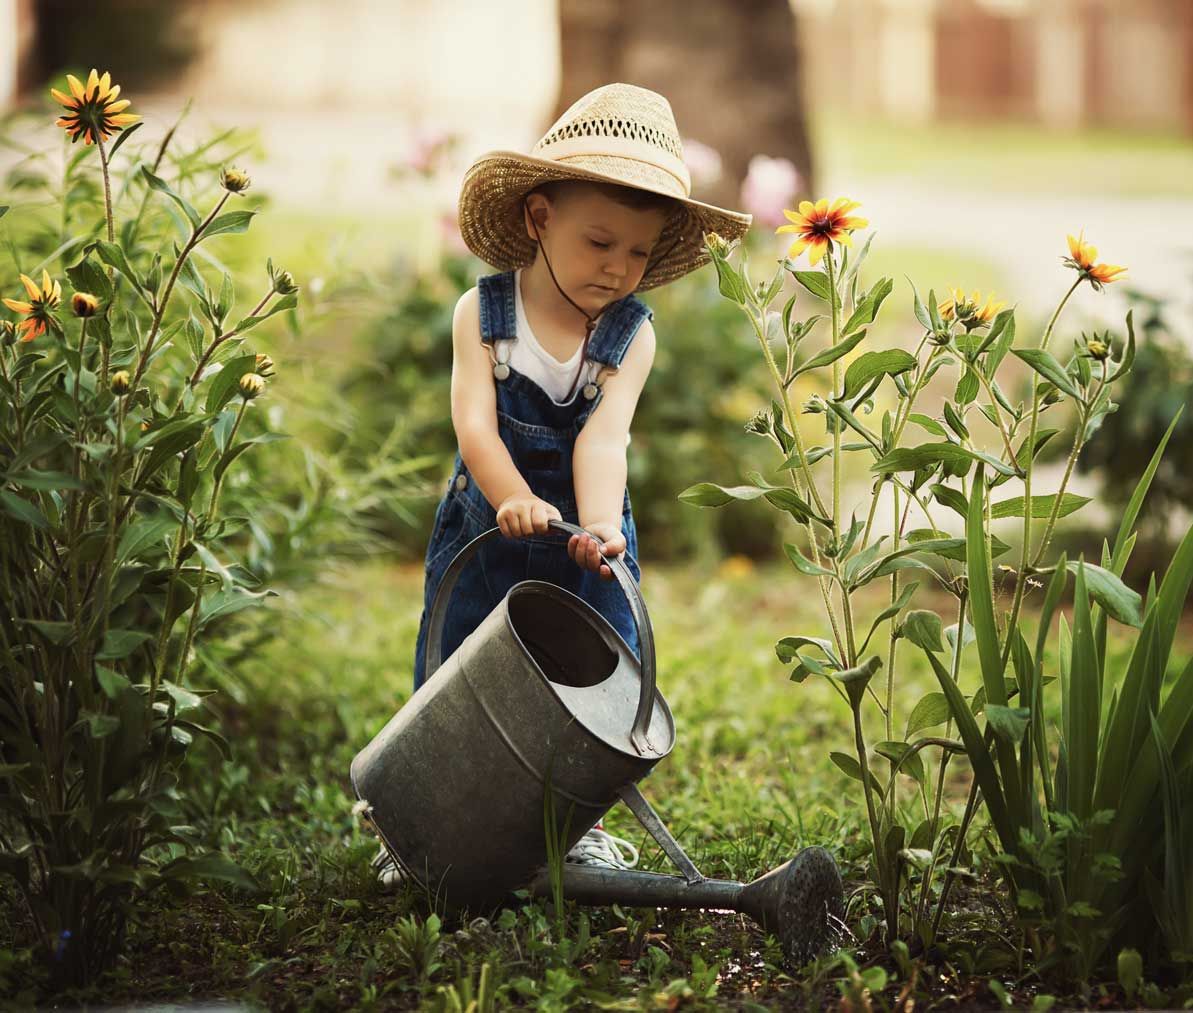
point(818, 225)
point(1082, 257)
point(92, 110)
point(84, 304)
point(38, 310)
point(971, 311)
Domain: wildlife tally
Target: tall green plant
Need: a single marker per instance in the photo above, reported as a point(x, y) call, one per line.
point(118, 430)
point(870, 407)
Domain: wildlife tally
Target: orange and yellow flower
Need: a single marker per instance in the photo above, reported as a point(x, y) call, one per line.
point(818, 225)
point(1083, 256)
point(970, 310)
point(39, 309)
point(93, 111)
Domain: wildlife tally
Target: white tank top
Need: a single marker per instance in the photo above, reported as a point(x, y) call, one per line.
point(532, 360)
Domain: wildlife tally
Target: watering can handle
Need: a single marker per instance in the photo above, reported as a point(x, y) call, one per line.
point(628, 585)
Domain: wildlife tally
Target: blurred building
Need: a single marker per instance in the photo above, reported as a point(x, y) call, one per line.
point(1060, 63)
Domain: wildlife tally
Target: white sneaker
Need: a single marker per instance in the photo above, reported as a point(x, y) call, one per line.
point(389, 874)
point(602, 849)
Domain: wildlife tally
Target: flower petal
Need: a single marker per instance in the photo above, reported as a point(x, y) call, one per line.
point(76, 86)
point(819, 246)
point(30, 287)
point(17, 306)
point(92, 84)
point(124, 119)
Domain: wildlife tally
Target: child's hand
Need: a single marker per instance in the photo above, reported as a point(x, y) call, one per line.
point(586, 551)
point(519, 516)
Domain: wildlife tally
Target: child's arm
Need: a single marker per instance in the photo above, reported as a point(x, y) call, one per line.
point(599, 457)
point(474, 417)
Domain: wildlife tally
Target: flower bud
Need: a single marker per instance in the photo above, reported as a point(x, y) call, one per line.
point(759, 424)
point(283, 283)
point(251, 385)
point(814, 405)
point(1098, 349)
point(1051, 396)
point(939, 338)
point(84, 304)
point(235, 180)
point(264, 365)
point(8, 334)
point(717, 245)
point(121, 382)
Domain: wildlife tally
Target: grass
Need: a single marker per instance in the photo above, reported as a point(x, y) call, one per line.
point(748, 784)
point(1005, 156)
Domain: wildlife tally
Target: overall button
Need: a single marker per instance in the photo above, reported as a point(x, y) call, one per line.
point(461, 482)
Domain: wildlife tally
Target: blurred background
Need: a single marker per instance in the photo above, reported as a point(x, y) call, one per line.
point(976, 134)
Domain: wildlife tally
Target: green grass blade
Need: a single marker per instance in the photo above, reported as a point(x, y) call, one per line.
point(1085, 706)
point(979, 758)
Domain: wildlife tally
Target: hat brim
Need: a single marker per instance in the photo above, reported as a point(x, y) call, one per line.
point(493, 227)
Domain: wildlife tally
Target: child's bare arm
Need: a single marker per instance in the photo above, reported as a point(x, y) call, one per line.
point(599, 457)
point(474, 417)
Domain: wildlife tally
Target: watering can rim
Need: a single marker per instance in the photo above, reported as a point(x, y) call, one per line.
point(545, 586)
point(629, 586)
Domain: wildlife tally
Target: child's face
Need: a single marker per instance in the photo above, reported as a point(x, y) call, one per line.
point(597, 247)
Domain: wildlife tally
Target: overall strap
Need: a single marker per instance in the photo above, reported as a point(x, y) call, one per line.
point(499, 319)
point(616, 329)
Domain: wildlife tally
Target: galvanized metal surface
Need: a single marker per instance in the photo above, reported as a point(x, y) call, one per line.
point(544, 691)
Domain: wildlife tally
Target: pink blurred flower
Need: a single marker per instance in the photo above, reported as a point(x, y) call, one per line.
point(449, 234)
point(703, 162)
point(771, 185)
point(426, 153)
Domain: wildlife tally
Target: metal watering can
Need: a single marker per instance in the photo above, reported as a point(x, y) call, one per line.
point(544, 694)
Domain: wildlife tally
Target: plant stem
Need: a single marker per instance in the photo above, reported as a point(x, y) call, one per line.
point(103, 161)
point(1021, 577)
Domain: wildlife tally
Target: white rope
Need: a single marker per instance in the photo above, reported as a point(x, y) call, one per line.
point(598, 847)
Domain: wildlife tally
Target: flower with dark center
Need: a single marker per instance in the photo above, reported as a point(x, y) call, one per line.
point(1082, 257)
point(92, 111)
point(818, 226)
point(39, 309)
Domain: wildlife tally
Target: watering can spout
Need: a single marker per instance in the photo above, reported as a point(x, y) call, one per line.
point(802, 902)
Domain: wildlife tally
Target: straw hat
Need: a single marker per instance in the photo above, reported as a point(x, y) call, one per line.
point(619, 133)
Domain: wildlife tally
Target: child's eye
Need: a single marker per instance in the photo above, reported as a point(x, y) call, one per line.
point(599, 246)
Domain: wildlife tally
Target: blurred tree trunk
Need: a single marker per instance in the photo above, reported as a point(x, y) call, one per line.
point(729, 68)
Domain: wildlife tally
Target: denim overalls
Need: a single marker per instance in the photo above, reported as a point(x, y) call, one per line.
point(540, 436)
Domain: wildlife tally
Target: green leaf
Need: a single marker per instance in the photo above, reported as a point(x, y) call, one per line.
point(912, 766)
point(923, 628)
point(143, 535)
point(111, 681)
point(229, 601)
point(729, 281)
point(1041, 506)
point(927, 455)
point(787, 649)
point(209, 867)
point(86, 276)
point(184, 699)
point(232, 222)
point(851, 768)
point(23, 510)
point(830, 355)
point(167, 445)
point(931, 709)
point(54, 632)
point(1119, 556)
point(924, 422)
point(814, 281)
point(869, 365)
point(867, 309)
point(804, 565)
point(121, 643)
point(113, 255)
point(706, 494)
point(892, 609)
point(1108, 590)
point(1047, 366)
point(223, 387)
point(33, 479)
point(161, 186)
point(287, 302)
point(125, 134)
point(1008, 722)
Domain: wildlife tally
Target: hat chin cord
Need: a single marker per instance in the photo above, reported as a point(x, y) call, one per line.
point(590, 322)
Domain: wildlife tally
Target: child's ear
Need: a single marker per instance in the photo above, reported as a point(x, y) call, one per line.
point(538, 206)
